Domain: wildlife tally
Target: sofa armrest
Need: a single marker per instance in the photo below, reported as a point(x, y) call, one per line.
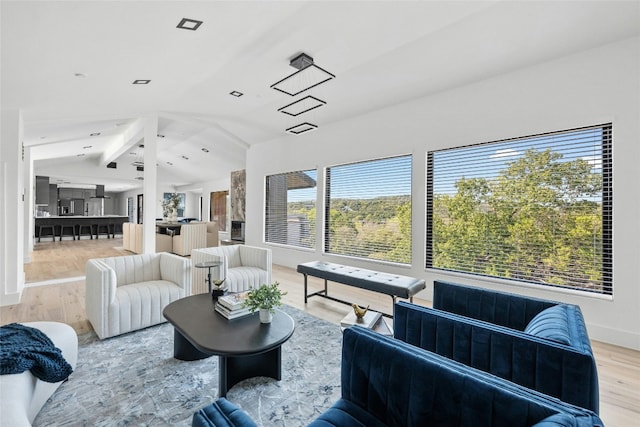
point(566, 372)
point(177, 270)
point(222, 413)
point(501, 308)
point(100, 292)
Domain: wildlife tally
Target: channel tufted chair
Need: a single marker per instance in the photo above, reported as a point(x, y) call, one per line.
point(243, 267)
point(192, 236)
point(128, 293)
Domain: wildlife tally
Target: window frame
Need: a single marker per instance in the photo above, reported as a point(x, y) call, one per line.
point(311, 228)
point(606, 212)
point(326, 243)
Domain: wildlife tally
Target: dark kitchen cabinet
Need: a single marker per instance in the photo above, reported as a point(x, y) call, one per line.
point(42, 190)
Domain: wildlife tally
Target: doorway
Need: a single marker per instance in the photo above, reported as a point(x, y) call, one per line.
point(218, 208)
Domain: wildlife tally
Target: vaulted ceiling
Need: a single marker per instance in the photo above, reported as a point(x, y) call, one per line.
point(69, 66)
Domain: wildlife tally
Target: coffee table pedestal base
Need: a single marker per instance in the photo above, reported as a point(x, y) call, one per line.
point(184, 350)
point(235, 369)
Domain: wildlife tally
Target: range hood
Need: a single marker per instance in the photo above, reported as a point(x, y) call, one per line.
point(99, 192)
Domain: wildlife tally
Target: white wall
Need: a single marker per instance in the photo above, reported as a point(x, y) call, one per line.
point(593, 87)
point(12, 207)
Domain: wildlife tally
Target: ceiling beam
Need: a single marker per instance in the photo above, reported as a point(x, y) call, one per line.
point(206, 122)
point(123, 142)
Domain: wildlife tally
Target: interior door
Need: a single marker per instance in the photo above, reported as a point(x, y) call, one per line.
point(218, 209)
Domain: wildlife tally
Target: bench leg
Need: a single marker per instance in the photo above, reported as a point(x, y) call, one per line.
point(325, 287)
point(305, 288)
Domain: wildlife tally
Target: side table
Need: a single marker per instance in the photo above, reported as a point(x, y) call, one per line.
point(209, 265)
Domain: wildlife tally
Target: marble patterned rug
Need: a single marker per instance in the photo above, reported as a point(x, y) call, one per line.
point(134, 380)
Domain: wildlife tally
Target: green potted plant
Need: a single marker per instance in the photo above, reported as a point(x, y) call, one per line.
point(265, 299)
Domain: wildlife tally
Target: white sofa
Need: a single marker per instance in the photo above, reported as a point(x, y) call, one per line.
point(128, 293)
point(23, 395)
point(243, 267)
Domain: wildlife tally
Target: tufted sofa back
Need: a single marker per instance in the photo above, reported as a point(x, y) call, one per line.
point(135, 268)
point(500, 308)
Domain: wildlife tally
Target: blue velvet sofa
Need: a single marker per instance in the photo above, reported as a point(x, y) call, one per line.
point(540, 344)
point(386, 382)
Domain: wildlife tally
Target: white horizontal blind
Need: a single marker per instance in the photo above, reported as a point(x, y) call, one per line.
point(368, 210)
point(290, 208)
point(535, 209)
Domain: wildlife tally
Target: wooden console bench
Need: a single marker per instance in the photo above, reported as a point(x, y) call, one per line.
point(390, 284)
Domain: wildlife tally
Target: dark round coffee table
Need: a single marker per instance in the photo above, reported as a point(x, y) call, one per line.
point(245, 347)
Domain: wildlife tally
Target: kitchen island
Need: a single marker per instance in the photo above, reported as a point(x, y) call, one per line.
point(78, 225)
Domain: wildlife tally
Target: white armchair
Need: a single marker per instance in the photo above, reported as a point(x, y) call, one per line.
point(212, 234)
point(128, 293)
point(192, 236)
point(243, 267)
point(132, 237)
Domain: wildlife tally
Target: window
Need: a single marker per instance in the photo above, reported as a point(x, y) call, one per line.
point(290, 208)
point(535, 209)
point(368, 210)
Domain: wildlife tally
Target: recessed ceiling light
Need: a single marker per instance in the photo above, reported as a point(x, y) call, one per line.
point(301, 128)
point(141, 82)
point(87, 146)
point(141, 145)
point(236, 93)
point(170, 164)
point(80, 155)
point(205, 150)
point(95, 134)
point(189, 24)
point(160, 135)
point(185, 157)
point(80, 75)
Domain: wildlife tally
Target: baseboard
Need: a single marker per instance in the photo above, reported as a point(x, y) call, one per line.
point(627, 339)
point(10, 299)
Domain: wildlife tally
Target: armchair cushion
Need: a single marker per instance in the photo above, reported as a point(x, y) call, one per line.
point(552, 324)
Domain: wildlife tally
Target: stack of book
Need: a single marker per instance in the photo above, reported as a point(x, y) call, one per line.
point(231, 306)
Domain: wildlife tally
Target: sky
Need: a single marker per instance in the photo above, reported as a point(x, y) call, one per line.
point(392, 176)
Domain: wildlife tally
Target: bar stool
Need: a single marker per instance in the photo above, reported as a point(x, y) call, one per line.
point(64, 227)
point(82, 228)
point(102, 227)
point(47, 227)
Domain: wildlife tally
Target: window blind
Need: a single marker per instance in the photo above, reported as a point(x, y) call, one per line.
point(368, 209)
point(535, 209)
point(290, 208)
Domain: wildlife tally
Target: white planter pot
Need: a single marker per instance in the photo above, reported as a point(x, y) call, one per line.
point(265, 316)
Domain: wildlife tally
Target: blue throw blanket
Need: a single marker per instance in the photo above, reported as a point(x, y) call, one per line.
point(22, 348)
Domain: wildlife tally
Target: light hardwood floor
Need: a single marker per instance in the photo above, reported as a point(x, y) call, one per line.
point(618, 367)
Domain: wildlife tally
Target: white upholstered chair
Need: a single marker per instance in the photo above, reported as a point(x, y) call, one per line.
point(212, 234)
point(127, 293)
point(192, 236)
point(132, 237)
point(243, 267)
